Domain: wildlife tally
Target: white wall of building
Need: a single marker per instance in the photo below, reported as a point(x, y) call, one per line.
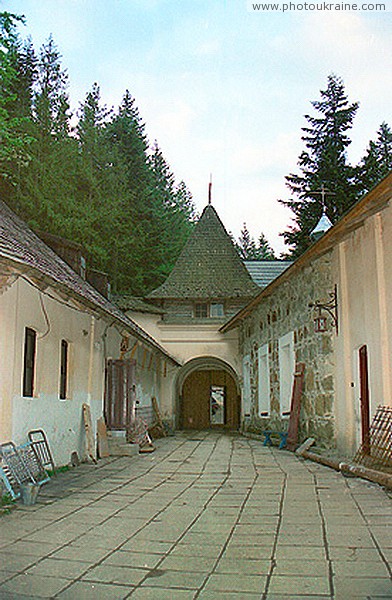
point(91, 340)
point(186, 342)
point(363, 270)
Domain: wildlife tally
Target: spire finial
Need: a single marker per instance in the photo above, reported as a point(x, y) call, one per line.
point(210, 190)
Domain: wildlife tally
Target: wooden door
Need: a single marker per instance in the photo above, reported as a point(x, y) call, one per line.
point(364, 398)
point(119, 393)
point(209, 400)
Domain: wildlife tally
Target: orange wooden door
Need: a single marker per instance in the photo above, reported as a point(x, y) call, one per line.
point(196, 405)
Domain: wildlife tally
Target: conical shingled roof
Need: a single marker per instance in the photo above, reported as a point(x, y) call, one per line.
point(209, 266)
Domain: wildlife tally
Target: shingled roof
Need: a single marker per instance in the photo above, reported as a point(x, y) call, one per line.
point(209, 266)
point(19, 246)
point(265, 271)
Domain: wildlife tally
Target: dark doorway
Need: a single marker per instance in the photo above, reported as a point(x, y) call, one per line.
point(209, 399)
point(119, 393)
point(364, 398)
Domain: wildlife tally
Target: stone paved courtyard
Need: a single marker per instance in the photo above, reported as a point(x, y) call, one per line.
point(209, 516)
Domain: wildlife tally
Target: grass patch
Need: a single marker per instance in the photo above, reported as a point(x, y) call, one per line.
point(6, 499)
point(6, 504)
point(62, 469)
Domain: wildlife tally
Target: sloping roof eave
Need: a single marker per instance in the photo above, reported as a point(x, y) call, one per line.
point(19, 245)
point(121, 319)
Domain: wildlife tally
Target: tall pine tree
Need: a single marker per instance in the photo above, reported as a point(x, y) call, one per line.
point(173, 212)
point(264, 249)
point(246, 245)
point(323, 165)
point(44, 193)
point(15, 141)
point(377, 162)
point(248, 249)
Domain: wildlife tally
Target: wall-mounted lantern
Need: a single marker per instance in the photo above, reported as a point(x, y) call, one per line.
point(331, 308)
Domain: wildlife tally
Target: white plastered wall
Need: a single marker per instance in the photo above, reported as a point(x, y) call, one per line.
point(186, 342)
point(363, 270)
point(23, 305)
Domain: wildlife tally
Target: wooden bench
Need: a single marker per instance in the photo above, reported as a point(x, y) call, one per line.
point(282, 435)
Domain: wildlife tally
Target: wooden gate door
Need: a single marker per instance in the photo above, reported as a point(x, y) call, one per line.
point(119, 393)
point(209, 400)
point(365, 401)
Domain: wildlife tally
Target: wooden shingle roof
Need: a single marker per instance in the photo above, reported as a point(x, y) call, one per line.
point(208, 267)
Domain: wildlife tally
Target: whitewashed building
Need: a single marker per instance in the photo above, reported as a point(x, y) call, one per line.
point(58, 337)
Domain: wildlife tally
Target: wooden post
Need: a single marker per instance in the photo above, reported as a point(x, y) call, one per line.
point(292, 435)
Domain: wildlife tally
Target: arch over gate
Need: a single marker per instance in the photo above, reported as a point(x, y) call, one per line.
point(208, 395)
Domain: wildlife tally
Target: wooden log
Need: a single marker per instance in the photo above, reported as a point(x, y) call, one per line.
point(295, 409)
point(88, 427)
point(379, 477)
point(102, 439)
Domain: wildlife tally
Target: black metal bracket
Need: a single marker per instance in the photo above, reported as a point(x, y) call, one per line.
point(330, 307)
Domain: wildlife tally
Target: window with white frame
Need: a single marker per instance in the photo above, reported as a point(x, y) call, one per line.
point(286, 371)
point(217, 309)
point(246, 395)
point(203, 310)
point(264, 381)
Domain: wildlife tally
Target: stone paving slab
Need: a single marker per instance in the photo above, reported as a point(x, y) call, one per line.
point(52, 567)
point(106, 573)
point(184, 579)
point(224, 582)
point(82, 553)
point(209, 516)
point(33, 586)
point(288, 584)
point(216, 595)
point(93, 591)
point(123, 558)
point(348, 587)
point(154, 593)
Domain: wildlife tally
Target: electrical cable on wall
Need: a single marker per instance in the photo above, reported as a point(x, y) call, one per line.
point(48, 325)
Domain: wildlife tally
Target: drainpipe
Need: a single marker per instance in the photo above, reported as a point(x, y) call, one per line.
point(91, 361)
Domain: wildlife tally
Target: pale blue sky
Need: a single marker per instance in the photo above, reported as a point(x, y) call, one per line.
point(222, 89)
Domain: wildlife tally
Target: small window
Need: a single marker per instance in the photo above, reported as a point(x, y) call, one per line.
point(63, 369)
point(216, 310)
point(29, 362)
point(201, 310)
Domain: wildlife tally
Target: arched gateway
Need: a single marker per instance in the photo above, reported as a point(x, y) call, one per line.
point(208, 395)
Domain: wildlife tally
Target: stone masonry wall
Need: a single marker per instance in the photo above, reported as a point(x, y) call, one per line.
point(287, 310)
